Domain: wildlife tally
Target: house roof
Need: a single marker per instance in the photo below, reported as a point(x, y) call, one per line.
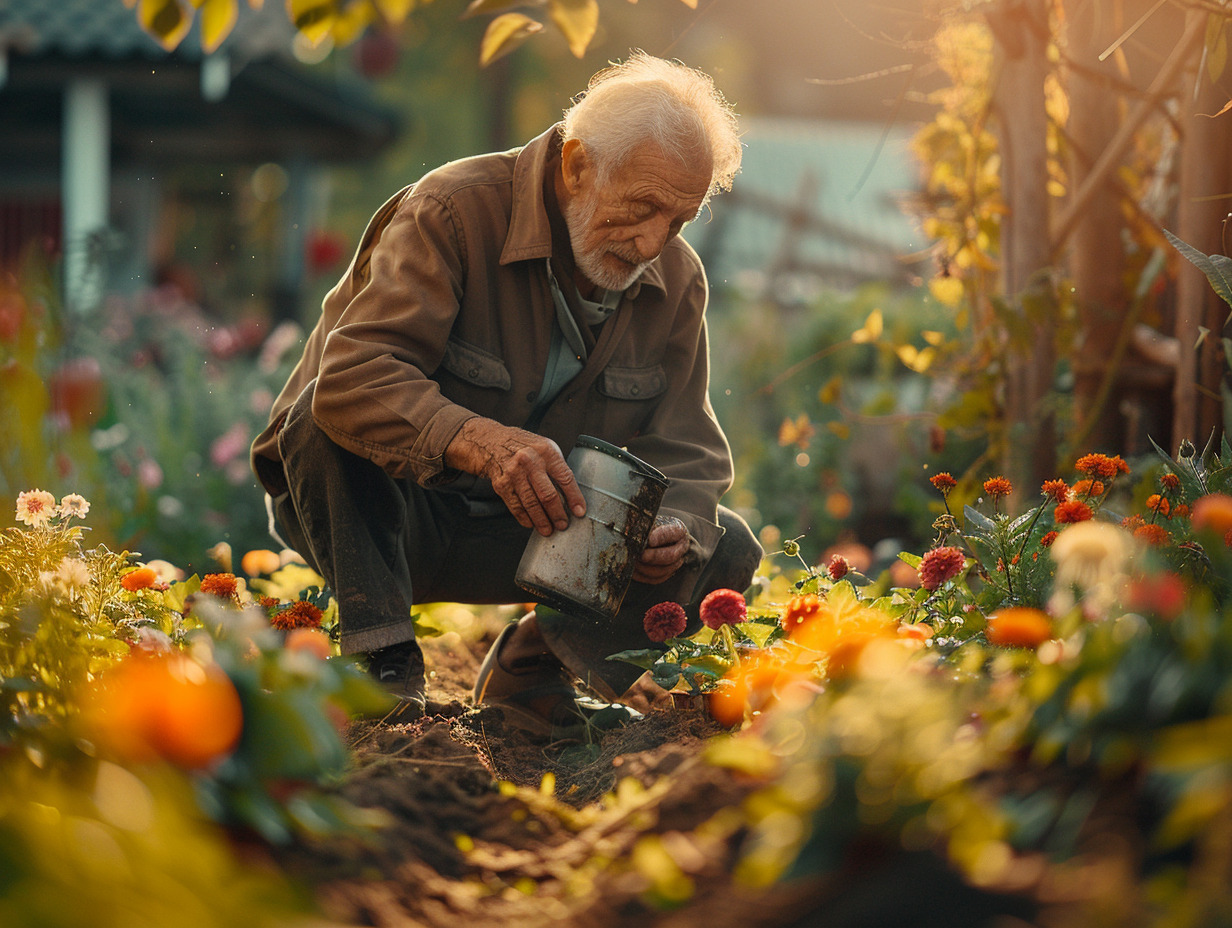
point(272, 107)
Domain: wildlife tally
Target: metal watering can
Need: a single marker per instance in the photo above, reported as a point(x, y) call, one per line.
point(588, 566)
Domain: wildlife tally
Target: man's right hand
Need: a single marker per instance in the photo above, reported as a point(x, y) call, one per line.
point(526, 470)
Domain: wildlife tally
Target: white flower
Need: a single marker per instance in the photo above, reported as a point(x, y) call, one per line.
point(73, 574)
point(1093, 560)
point(35, 507)
point(74, 505)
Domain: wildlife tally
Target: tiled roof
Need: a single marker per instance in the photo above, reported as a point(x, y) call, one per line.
point(109, 29)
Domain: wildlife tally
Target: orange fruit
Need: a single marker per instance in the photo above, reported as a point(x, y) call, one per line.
point(168, 706)
point(1018, 627)
point(260, 561)
point(761, 681)
point(313, 640)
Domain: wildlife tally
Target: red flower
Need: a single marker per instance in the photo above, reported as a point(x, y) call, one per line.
point(1073, 510)
point(940, 565)
point(839, 566)
point(998, 486)
point(943, 482)
point(1056, 490)
point(1048, 539)
point(799, 610)
point(723, 607)
point(664, 620)
point(1170, 481)
point(1163, 595)
point(1132, 522)
point(301, 614)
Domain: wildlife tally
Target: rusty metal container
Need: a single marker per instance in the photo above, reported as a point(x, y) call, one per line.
point(588, 566)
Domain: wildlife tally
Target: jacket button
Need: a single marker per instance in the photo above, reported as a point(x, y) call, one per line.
point(530, 397)
point(473, 372)
point(635, 389)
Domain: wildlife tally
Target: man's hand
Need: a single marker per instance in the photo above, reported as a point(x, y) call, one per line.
point(527, 471)
point(665, 550)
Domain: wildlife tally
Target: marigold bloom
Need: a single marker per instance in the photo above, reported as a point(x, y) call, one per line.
point(1099, 465)
point(1180, 511)
point(74, 505)
point(1159, 504)
point(799, 610)
point(998, 486)
point(1170, 481)
point(1119, 463)
point(940, 565)
point(1048, 539)
point(1085, 489)
point(664, 620)
point(1018, 627)
point(139, 579)
point(839, 567)
point(1056, 490)
point(300, 614)
point(1155, 535)
point(1213, 513)
point(1072, 510)
point(944, 482)
point(220, 585)
point(1132, 522)
point(723, 607)
point(35, 507)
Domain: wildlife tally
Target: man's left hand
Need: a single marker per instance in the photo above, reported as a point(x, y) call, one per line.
point(665, 550)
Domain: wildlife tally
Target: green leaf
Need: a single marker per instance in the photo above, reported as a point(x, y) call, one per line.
point(645, 658)
point(978, 522)
point(1217, 268)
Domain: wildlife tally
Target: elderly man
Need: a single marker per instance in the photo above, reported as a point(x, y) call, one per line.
point(495, 311)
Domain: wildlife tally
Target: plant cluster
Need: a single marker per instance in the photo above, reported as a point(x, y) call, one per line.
point(149, 716)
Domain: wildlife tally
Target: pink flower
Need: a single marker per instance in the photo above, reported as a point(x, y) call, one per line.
point(664, 620)
point(723, 607)
point(839, 566)
point(940, 565)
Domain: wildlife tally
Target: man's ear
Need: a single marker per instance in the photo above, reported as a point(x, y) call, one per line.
point(575, 166)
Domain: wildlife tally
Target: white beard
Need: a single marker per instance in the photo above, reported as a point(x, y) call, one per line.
point(590, 263)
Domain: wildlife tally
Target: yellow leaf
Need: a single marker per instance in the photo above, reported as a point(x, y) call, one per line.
point(504, 34)
point(691, 4)
point(577, 19)
point(350, 24)
point(871, 330)
point(831, 391)
point(840, 429)
point(313, 18)
point(479, 7)
point(217, 20)
point(948, 291)
point(919, 361)
point(168, 21)
point(934, 338)
point(394, 11)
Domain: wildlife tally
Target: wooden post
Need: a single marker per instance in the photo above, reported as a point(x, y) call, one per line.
point(1021, 31)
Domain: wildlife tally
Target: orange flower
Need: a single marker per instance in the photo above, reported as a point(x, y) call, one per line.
point(1170, 481)
point(943, 482)
point(260, 561)
point(757, 683)
point(940, 565)
point(1099, 465)
point(220, 585)
point(301, 614)
point(1018, 627)
point(1159, 504)
point(1073, 510)
point(1056, 490)
point(998, 486)
point(798, 610)
point(1132, 522)
point(1085, 489)
point(1048, 539)
point(138, 579)
point(1213, 513)
point(1155, 535)
point(1180, 511)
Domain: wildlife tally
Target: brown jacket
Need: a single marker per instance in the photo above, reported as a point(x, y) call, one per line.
point(446, 313)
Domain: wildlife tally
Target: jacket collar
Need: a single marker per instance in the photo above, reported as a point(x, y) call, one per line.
point(530, 232)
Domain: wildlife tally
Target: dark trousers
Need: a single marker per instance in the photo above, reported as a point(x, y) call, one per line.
point(383, 544)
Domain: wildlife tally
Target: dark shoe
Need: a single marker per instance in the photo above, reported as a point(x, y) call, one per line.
point(400, 669)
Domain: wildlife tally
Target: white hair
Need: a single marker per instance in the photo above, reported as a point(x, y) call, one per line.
point(665, 103)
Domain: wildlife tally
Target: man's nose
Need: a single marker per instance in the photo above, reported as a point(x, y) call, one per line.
point(652, 237)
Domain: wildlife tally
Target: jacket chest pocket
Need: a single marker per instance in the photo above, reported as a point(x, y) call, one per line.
point(475, 366)
point(633, 383)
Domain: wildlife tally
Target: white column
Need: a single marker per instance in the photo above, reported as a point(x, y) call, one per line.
point(85, 189)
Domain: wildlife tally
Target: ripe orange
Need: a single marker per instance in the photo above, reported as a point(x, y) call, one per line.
point(1018, 627)
point(165, 705)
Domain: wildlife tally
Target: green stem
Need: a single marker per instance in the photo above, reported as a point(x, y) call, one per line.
point(729, 642)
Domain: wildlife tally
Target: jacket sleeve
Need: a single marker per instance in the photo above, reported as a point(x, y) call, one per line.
point(683, 438)
point(374, 395)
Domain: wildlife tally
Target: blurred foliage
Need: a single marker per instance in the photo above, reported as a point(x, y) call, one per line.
point(147, 407)
point(147, 722)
